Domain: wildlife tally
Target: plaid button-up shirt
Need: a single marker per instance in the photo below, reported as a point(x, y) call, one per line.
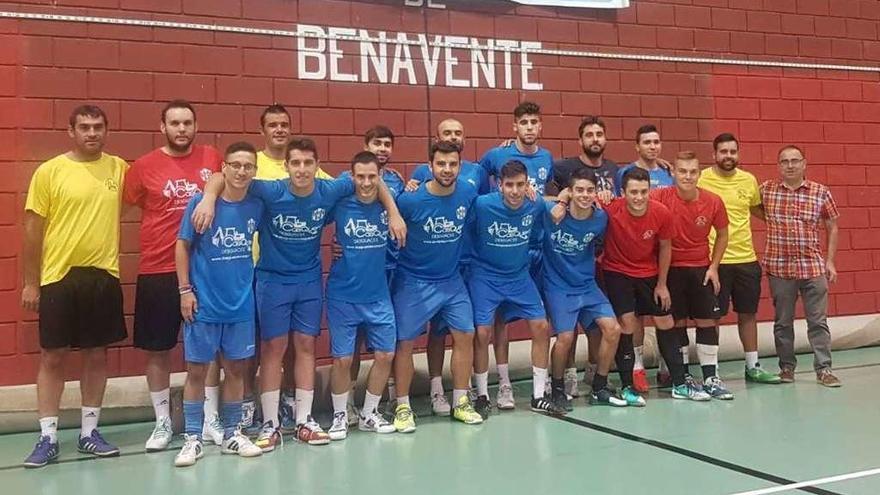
point(793, 219)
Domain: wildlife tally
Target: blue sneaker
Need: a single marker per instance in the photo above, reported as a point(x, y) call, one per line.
point(44, 452)
point(287, 416)
point(715, 387)
point(95, 444)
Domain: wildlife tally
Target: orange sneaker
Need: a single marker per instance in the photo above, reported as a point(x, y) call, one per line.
point(311, 433)
point(640, 381)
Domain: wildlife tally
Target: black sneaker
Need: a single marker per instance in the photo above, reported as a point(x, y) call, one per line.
point(561, 400)
point(607, 397)
point(546, 406)
point(483, 406)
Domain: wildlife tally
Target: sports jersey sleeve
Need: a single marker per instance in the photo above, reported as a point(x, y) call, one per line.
point(720, 220)
point(187, 231)
point(133, 190)
point(267, 190)
point(488, 163)
point(618, 180)
point(39, 198)
point(754, 192)
point(664, 219)
point(483, 187)
point(214, 159)
point(422, 173)
point(340, 188)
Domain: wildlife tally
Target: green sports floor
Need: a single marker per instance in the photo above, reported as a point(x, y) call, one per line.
point(768, 439)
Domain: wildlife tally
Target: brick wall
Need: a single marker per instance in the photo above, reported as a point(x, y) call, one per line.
point(48, 67)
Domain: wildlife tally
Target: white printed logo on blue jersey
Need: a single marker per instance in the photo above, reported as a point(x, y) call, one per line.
point(504, 232)
point(461, 212)
point(232, 243)
point(318, 214)
point(442, 229)
point(363, 231)
point(290, 227)
point(565, 243)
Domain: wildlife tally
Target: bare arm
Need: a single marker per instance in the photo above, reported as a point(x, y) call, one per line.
point(396, 225)
point(203, 214)
point(32, 256)
point(188, 303)
point(831, 268)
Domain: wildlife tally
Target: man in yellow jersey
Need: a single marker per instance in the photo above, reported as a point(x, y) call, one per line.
point(71, 276)
point(739, 272)
point(275, 128)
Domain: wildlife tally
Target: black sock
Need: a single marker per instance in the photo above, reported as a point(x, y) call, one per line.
point(557, 384)
point(599, 382)
point(668, 341)
point(708, 336)
point(625, 359)
point(681, 335)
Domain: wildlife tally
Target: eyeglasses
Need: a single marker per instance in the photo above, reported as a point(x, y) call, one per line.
point(792, 162)
point(248, 167)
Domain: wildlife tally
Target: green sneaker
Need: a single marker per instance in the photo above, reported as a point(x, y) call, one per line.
point(632, 398)
point(760, 375)
point(464, 412)
point(403, 419)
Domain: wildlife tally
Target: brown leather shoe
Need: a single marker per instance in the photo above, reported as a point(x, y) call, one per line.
point(826, 377)
point(786, 375)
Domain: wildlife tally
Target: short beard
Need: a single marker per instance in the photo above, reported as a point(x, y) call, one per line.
point(173, 146)
point(594, 155)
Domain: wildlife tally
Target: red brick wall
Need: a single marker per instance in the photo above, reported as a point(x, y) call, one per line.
point(48, 67)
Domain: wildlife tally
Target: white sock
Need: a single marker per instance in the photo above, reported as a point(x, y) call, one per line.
point(49, 427)
point(482, 380)
point(392, 391)
point(539, 382)
point(752, 360)
point(90, 417)
point(161, 403)
point(269, 400)
point(304, 400)
point(456, 395)
point(437, 386)
point(637, 362)
point(402, 399)
point(686, 354)
point(340, 401)
point(503, 374)
point(212, 402)
point(571, 371)
point(707, 354)
point(371, 404)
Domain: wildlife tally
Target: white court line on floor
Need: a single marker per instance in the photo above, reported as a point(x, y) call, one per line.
point(820, 481)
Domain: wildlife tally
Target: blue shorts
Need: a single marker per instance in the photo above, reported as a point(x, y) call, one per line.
point(284, 308)
point(202, 341)
point(416, 302)
point(509, 312)
point(567, 310)
point(519, 298)
point(438, 326)
point(376, 319)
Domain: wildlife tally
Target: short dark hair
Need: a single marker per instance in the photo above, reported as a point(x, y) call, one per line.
point(239, 146)
point(790, 147)
point(526, 108)
point(302, 144)
point(178, 104)
point(274, 108)
point(590, 120)
point(93, 111)
point(364, 157)
point(443, 147)
point(379, 131)
point(634, 174)
point(583, 173)
point(724, 137)
point(645, 129)
point(513, 168)
point(686, 156)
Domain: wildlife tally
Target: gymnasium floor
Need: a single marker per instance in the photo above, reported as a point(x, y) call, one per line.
point(769, 437)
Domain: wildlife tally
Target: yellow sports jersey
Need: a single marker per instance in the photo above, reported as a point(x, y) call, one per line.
point(739, 193)
point(269, 168)
point(81, 202)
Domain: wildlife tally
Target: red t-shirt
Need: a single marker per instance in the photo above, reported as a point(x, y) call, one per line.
point(162, 186)
point(632, 244)
point(691, 223)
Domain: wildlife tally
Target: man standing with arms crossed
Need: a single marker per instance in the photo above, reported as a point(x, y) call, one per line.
point(739, 272)
point(795, 207)
point(71, 276)
point(161, 183)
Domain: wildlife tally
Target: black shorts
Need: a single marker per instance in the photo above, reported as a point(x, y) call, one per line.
point(690, 298)
point(742, 283)
point(631, 294)
point(157, 315)
point(82, 310)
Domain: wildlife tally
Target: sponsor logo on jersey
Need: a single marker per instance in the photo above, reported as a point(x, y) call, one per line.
point(505, 231)
point(442, 226)
point(111, 185)
point(180, 189)
point(363, 229)
point(230, 237)
point(292, 226)
point(648, 234)
point(701, 221)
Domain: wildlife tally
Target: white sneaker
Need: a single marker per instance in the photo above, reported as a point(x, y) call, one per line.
point(161, 436)
point(504, 400)
point(571, 384)
point(376, 423)
point(440, 406)
point(339, 429)
point(352, 413)
point(190, 452)
point(213, 429)
point(241, 445)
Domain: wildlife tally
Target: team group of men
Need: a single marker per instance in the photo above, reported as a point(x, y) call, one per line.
point(460, 250)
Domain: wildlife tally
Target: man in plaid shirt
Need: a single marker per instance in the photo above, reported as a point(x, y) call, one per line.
point(794, 208)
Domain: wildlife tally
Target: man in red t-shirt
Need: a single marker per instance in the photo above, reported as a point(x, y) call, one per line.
point(638, 252)
point(161, 183)
point(693, 276)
